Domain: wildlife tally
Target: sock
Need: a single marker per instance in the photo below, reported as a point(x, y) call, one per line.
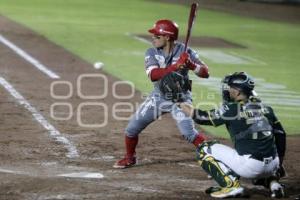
point(130, 143)
point(199, 139)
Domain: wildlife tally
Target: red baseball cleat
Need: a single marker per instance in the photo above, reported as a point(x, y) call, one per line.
point(125, 163)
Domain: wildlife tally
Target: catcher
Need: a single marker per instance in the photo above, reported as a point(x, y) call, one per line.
point(259, 140)
point(163, 60)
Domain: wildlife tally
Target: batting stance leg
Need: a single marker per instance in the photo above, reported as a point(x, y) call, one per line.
point(145, 115)
point(186, 126)
point(152, 108)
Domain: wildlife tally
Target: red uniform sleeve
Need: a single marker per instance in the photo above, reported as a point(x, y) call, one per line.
point(157, 73)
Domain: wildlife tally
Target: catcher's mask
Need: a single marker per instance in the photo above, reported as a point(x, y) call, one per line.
point(172, 86)
point(239, 80)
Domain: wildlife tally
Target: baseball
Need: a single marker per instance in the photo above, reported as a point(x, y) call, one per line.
point(98, 65)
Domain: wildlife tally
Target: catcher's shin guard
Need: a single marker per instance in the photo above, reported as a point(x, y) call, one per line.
point(222, 174)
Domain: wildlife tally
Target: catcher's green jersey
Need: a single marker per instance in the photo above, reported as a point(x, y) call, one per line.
point(250, 125)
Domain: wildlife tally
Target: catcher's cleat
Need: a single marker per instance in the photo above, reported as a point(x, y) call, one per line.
point(213, 189)
point(235, 191)
point(277, 190)
point(125, 163)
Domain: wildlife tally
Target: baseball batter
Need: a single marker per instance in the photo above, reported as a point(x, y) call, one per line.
point(165, 57)
point(258, 137)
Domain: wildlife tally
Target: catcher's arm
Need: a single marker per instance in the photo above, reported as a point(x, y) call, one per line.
point(280, 139)
point(202, 117)
point(279, 133)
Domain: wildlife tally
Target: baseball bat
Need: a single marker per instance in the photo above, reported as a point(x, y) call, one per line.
point(192, 17)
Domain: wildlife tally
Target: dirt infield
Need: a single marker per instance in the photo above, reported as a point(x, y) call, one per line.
point(35, 162)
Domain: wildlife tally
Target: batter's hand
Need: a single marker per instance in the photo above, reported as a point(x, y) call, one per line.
point(182, 61)
point(188, 109)
point(190, 64)
point(200, 70)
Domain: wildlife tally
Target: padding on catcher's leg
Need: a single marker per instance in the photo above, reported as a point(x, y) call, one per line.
point(201, 151)
point(222, 174)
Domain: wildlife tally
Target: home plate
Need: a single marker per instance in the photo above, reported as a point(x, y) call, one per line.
point(82, 175)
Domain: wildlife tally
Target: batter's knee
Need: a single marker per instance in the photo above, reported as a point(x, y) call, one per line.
point(132, 131)
point(135, 126)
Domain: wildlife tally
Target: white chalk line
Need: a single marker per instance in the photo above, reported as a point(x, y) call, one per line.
point(248, 58)
point(53, 132)
point(141, 189)
point(29, 58)
point(8, 171)
point(138, 38)
point(218, 56)
point(82, 175)
point(189, 165)
point(85, 175)
point(295, 109)
point(276, 91)
point(289, 116)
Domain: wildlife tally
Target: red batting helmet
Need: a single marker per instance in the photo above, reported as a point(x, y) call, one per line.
point(165, 27)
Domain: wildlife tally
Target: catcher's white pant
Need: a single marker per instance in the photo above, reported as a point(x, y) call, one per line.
point(243, 165)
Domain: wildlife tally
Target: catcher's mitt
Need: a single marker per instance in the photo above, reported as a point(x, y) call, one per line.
point(172, 86)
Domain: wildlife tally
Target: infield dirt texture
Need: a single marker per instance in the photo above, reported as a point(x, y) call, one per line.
point(47, 159)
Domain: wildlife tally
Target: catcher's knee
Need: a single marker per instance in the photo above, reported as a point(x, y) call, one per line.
point(203, 149)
